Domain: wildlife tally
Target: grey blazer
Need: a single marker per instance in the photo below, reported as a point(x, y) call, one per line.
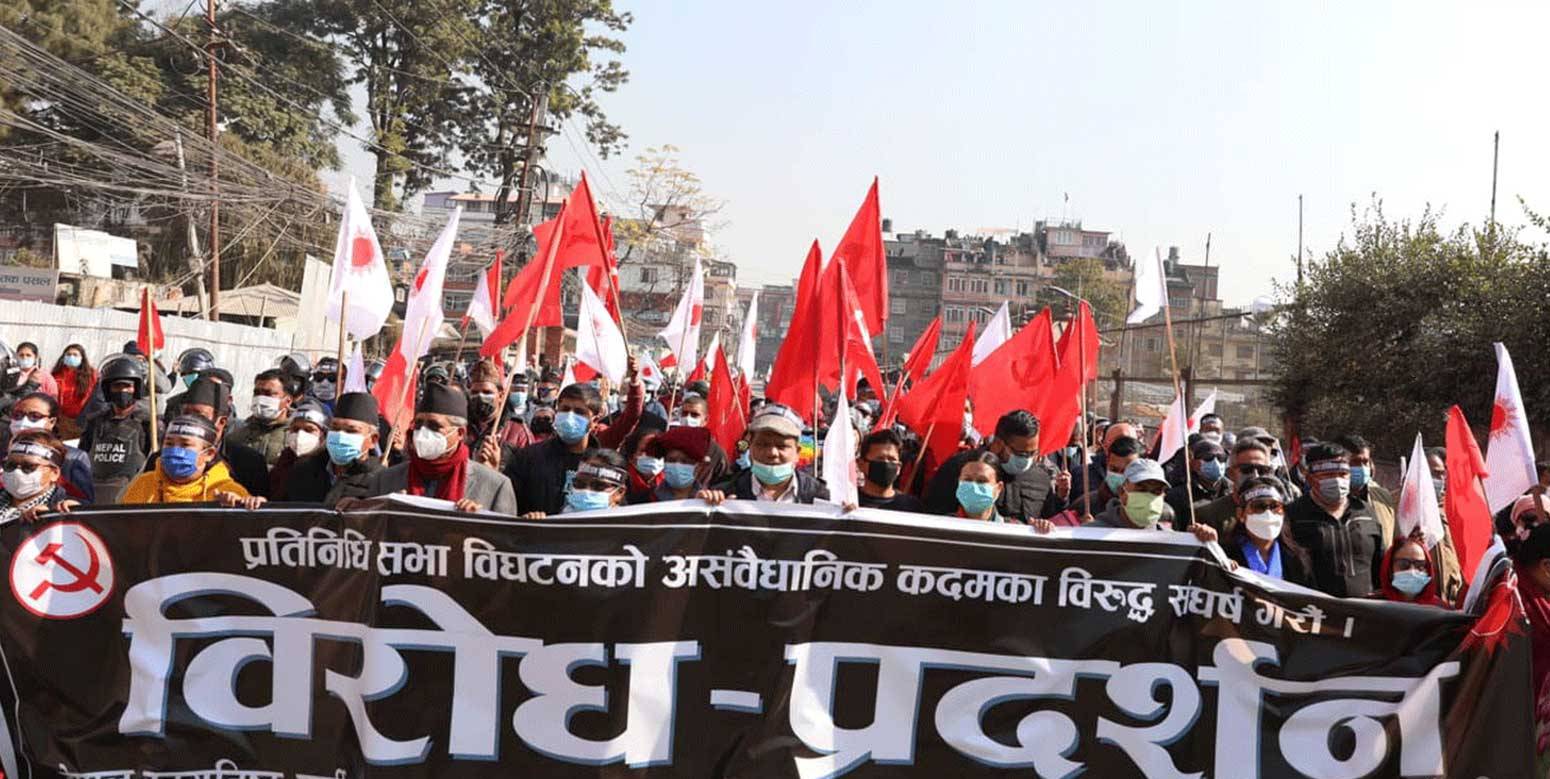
point(486, 486)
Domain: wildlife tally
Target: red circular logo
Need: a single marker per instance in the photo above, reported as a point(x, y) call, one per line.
point(62, 572)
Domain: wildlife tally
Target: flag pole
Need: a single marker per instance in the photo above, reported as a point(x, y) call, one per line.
point(344, 316)
point(683, 343)
point(151, 374)
point(462, 339)
point(1178, 387)
point(925, 448)
point(403, 395)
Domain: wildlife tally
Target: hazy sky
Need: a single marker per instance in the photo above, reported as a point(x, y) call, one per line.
point(1162, 120)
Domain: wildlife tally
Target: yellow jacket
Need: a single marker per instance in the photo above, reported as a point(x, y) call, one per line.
point(155, 487)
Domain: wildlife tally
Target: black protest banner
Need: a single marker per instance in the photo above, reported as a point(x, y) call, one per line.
point(747, 641)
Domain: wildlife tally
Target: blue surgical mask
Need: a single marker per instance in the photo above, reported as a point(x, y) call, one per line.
point(1115, 480)
point(1359, 476)
point(1017, 463)
point(189, 379)
point(678, 475)
point(345, 448)
point(975, 497)
point(587, 500)
point(179, 462)
point(648, 467)
point(26, 362)
point(1212, 470)
point(72, 361)
point(1411, 582)
point(517, 400)
point(571, 426)
point(772, 474)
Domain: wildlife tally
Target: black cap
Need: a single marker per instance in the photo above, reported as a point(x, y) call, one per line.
point(443, 399)
point(359, 406)
point(132, 347)
point(207, 392)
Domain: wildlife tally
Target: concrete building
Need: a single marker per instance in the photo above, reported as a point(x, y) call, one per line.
point(914, 287)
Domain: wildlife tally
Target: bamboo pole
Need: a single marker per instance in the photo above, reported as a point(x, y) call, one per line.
point(1178, 392)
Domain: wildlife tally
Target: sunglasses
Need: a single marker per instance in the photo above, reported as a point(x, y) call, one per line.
point(11, 465)
point(1266, 505)
point(32, 416)
point(1256, 470)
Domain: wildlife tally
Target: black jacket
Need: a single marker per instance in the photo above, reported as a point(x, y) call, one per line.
point(541, 475)
point(314, 480)
point(1294, 564)
point(741, 487)
point(1203, 493)
point(1346, 553)
point(1027, 495)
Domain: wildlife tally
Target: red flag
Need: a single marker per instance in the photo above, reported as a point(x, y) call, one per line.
point(1469, 519)
point(522, 292)
point(604, 279)
point(792, 376)
point(1062, 405)
point(149, 338)
point(865, 258)
point(934, 408)
point(916, 361)
point(845, 329)
point(1016, 376)
point(722, 418)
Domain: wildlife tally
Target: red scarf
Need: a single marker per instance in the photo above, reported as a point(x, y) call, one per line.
point(450, 474)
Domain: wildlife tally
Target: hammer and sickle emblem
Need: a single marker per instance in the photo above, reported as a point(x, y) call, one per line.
point(84, 580)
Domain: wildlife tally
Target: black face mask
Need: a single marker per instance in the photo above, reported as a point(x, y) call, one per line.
point(542, 425)
point(882, 472)
point(479, 408)
point(122, 399)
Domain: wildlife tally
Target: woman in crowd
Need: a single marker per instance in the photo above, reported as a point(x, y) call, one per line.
point(30, 477)
point(682, 451)
point(979, 487)
point(189, 469)
point(31, 372)
point(39, 411)
point(1409, 575)
point(1261, 539)
point(645, 468)
point(76, 378)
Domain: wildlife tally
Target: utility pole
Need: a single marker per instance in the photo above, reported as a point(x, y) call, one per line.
point(1299, 240)
point(540, 105)
point(1496, 150)
point(215, 171)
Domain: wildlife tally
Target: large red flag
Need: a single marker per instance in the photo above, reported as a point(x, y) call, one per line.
point(722, 417)
point(916, 361)
point(1469, 518)
point(149, 337)
point(793, 374)
point(1062, 405)
point(841, 330)
point(867, 260)
point(523, 290)
point(934, 408)
point(1018, 375)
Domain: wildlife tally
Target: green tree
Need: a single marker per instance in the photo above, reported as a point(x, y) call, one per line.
point(1087, 277)
point(411, 56)
point(528, 49)
point(1395, 324)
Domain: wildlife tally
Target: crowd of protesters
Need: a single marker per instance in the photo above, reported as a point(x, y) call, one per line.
point(530, 447)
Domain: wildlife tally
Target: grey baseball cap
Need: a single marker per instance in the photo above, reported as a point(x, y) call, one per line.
point(1145, 470)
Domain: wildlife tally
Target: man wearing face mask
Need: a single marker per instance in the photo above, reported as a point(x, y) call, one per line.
point(1250, 458)
point(484, 389)
point(303, 439)
point(1211, 429)
point(541, 474)
point(693, 411)
point(880, 459)
point(1028, 491)
point(514, 430)
point(325, 382)
point(117, 437)
point(599, 484)
point(344, 466)
point(1343, 540)
point(439, 464)
point(772, 475)
point(269, 417)
point(1208, 471)
point(1141, 505)
point(1099, 468)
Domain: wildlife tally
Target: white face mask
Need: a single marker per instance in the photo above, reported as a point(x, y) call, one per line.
point(24, 424)
point(1266, 525)
point(23, 485)
point(265, 407)
point(429, 444)
point(689, 421)
point(323, 390)
point(302, 442)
